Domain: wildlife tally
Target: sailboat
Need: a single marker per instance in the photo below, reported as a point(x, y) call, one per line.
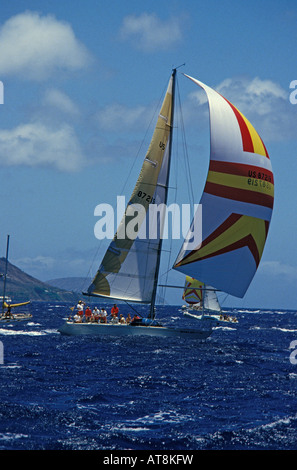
point(7, 314)
point(237, 204)
point(202, 300)
point(199, 297)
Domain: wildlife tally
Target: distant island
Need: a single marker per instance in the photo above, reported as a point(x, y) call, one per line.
point(73, 284)
point(21, 287)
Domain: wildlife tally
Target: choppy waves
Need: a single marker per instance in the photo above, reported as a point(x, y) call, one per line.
point(236, 390)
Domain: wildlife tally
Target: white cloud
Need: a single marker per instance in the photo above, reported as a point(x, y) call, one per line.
point(120, 117)
point(35, 144)
point(150, 33)
point(61, 101)
point(34, 46)
point(265, 104)
point(41, 267)
point(34, 264)
point(277, 268)
point(63, 264)
point(253, 95)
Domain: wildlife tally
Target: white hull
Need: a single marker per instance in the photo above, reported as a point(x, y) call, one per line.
point(215, 319)
point(16, 317)
point(99, 329)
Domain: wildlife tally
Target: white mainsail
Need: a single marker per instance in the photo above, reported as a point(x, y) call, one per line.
point(129, 270)
point(236, 203)
point(211, 303)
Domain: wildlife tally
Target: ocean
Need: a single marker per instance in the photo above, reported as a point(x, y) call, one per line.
point(237, 390)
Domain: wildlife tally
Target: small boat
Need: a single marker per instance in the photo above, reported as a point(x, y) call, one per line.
point(216, 319)
point(237, 205)
point(7, 314)
point(202, 302)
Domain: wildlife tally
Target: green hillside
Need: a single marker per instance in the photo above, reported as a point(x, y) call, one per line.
point(21, 287)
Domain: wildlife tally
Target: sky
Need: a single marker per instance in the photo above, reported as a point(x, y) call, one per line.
point(81, 81)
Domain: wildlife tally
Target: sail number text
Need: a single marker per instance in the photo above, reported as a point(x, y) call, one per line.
point(259, 175)
point(146, 196)
point(259, 183)
point(162, 145)
point(260, 179)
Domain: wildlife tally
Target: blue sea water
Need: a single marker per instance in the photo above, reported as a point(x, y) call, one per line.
point(237, 390)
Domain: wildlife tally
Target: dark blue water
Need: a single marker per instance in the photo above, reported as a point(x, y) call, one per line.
point(236, 390)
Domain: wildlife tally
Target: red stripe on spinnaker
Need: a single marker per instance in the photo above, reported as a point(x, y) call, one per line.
point(241, 169)
point(247, 141)
point(242, 195)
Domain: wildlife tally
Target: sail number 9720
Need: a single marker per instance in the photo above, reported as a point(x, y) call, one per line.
point(146, 197)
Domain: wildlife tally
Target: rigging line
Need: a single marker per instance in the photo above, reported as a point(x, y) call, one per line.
point(224, 299)
point(180, 136)
point(185, 151)
point(180, 126)
point(88, 274)
point(149, 126)
point(174, 187)
point(158, 259)
point(133, 308)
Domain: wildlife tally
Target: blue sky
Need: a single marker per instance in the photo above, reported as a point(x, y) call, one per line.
point(80, 82)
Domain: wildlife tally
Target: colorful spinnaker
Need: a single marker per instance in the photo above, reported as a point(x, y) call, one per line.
point(193, 291)
point(237, 202)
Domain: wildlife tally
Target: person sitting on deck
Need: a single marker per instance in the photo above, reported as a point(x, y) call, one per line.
point(128, 319)
point(77, 318)
point(96, 315)
point(103, 316)
point(114, 319)
point(122, 319)
point(136, 320)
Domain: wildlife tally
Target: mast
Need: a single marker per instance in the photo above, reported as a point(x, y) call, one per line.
point(154, 293)
point(5, 274)
point(203, 294)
